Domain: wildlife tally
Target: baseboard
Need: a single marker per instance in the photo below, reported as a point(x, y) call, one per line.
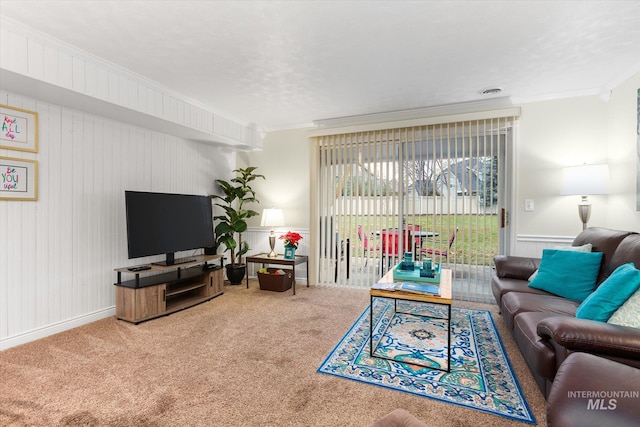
point(36, 334)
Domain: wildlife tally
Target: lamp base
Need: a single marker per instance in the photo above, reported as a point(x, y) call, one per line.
point(272, 244)
point(584, 211)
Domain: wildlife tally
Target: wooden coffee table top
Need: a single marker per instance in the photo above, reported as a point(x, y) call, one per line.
point(445, 296)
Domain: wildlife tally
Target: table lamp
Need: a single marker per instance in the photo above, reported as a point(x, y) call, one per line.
point(272, 218)
point(584, 181)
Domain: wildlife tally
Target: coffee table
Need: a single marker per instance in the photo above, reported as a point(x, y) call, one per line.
point(445, 298)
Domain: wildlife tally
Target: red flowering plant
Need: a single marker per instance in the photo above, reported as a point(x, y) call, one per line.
point(291, 239)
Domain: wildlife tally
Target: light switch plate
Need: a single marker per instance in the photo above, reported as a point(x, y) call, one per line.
point(528, 205)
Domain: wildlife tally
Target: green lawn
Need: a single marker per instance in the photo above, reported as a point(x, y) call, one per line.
point(476, 241)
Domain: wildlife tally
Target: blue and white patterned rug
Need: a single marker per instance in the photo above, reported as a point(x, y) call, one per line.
point(481, 376)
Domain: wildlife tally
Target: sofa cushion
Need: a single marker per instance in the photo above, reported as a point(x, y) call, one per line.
point(611, 294)
point(629, 313)
point(503, 285)
point(568, 274)
point(628, 251)
point(515, 303)
point(584, 248)
point(606, 241)
point(540, 357)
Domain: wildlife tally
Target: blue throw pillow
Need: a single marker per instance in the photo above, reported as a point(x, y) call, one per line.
point(568, 274)
point(611, 294)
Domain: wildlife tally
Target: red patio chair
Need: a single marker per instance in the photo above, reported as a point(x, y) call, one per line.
point(367, 246)
point(443, 253)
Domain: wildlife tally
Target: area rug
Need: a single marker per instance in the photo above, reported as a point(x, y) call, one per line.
point(480, 377)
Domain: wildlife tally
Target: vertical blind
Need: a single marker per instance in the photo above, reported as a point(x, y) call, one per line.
point(382, 193)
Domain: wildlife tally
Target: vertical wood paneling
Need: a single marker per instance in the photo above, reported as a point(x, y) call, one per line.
point(78, 74)
point(51, 68)
point(65, 67)
point(113, 87)
point(35, 55)
point(15, 48)
point(59, 252)
point(4, 237)
point(35, 59)
point(4, 53)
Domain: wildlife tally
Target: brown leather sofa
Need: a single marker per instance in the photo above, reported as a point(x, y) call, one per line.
point(544, 325)
point(591, 391)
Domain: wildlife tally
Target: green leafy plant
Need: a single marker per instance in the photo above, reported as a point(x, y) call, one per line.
point(236, 193)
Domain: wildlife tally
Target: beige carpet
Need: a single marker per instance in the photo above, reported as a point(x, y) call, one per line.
point(246, 358)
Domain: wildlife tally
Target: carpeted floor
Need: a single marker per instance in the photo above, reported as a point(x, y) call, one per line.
point(246, 358)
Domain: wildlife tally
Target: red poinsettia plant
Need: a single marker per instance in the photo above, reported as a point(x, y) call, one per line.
point(291, 239)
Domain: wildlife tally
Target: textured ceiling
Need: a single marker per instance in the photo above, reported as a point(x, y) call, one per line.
point(285, 64)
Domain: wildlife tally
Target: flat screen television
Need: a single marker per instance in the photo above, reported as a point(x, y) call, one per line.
point(164, 223)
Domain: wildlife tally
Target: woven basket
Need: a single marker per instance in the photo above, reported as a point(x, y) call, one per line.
point(275, 282)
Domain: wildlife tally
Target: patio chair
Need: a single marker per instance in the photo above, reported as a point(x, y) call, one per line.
point(367, 246)
point(441, 252)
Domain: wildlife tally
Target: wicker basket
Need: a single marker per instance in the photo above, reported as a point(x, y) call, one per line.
point(275, 282)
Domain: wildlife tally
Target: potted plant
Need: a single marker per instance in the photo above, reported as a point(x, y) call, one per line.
point(291, 240)
point(236, 193)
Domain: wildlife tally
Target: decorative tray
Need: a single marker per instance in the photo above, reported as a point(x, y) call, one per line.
point(400, 275)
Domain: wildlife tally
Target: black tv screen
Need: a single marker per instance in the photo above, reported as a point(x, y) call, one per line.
point(163, 223)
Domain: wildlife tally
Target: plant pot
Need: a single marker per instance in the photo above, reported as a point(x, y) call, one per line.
point(235, 273)
point(275, 282)
point(289, 253)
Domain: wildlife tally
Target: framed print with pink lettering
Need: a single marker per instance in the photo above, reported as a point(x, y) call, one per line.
point(19, 129)
point(18, 179)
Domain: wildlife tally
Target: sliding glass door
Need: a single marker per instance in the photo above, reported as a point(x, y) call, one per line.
point(436, 191)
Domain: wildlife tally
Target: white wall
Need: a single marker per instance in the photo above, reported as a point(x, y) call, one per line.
point(57, 254)
point(284, 162)
point(570, 132)
point(552, 135)
point(622, 144)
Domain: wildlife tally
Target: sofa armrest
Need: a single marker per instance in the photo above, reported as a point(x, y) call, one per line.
point(515, 267)
point(591, 337)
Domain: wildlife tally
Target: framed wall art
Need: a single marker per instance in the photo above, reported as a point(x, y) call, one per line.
point(18, 179)
point(18, 129)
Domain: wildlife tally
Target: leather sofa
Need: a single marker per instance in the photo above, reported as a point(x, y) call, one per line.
point(544, 325)
point(591, 391)
point(398, 418)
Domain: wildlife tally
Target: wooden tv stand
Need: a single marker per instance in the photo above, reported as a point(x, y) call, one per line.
point(166, 289)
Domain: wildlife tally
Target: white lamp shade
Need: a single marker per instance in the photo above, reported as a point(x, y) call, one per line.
point(585, 180)
point(272, 218)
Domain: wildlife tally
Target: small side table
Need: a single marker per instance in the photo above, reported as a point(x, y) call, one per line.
point(264, 259)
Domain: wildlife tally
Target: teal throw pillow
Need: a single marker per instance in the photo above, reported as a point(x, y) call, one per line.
point(611, 294)
point(584, 248)
point(568, 274)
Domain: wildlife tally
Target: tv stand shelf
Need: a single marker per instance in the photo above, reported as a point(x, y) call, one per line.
point(166, 289)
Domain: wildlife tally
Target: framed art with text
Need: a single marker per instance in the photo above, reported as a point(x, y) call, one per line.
point(18, 179)
point(19, 129)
